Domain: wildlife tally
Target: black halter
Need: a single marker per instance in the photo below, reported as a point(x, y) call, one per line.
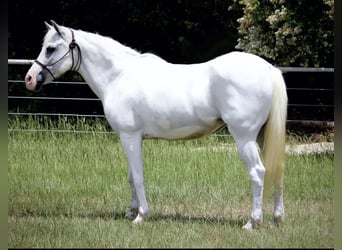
point(74, 66)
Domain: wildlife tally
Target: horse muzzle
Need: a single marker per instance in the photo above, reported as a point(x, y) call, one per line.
point(35, 83)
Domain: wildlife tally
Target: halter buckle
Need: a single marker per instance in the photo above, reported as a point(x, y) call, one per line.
point(73, 44)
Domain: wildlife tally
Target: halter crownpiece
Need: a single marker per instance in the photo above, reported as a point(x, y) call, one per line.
point(72, 46)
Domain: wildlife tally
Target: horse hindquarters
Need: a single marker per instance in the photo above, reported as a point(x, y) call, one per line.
point(249, 94)
point(272, 171)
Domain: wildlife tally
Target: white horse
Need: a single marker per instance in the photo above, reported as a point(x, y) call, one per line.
point(144, 96)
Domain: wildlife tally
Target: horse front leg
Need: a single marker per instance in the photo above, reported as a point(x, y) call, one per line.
point(133, 212)
point(132, 145)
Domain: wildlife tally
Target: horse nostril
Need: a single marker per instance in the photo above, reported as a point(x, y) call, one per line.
point(28, 79)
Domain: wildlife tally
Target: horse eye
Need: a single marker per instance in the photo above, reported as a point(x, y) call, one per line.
point(50, 50)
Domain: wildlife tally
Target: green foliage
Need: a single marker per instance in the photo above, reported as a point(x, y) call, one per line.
point(290, 33)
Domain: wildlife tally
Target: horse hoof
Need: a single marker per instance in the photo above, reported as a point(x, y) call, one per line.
point(277, 220)
point(131, 214)
point(138, 220)
point(141, 217)
point(252, 224)
point(248, 226)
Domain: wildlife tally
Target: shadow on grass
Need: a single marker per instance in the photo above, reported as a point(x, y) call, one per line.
point(214, 219)
point(155, 217)
point(177, 217)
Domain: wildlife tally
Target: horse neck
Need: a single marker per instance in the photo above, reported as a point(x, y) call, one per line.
point(103, 59)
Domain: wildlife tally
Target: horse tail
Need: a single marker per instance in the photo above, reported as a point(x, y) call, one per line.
point(274, 133)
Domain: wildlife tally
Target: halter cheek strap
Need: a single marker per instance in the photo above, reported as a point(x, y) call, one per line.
point(46, 68)
point(74, 67)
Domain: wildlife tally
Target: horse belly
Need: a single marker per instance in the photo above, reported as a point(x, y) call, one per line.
point(166, 129)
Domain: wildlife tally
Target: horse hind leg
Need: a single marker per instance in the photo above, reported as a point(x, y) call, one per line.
point(248, 152)
point(279, 213)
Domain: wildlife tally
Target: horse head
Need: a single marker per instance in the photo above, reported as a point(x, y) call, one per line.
point(55, 58)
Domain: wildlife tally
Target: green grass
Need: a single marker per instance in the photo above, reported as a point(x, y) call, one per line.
point(71, 190)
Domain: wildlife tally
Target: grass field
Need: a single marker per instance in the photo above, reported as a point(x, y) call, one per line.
point(71, 190)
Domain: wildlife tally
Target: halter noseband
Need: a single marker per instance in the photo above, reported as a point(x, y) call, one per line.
point(74, 67)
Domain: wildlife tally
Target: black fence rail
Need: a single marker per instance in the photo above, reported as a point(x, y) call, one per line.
point(310, 92)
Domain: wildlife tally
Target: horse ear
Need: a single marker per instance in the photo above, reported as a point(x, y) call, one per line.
point(48, 26)
point(56, 26)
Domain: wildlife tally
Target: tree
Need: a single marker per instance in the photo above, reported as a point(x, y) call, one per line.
point(289, 33)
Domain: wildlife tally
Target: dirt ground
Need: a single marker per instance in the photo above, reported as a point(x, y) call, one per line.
point(308, 148)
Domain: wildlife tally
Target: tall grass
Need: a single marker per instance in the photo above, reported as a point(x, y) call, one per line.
point(71, 190)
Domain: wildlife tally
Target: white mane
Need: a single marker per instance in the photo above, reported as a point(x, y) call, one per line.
point(108, 42)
